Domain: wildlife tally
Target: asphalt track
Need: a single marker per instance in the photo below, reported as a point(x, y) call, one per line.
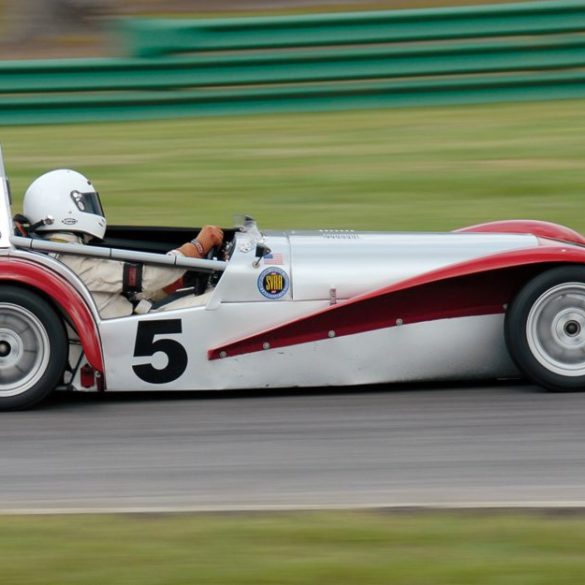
point(496, 445)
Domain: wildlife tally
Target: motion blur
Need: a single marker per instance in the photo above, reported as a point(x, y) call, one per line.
point(382, 115)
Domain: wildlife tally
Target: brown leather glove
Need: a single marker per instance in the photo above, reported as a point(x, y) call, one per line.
point(209, 237)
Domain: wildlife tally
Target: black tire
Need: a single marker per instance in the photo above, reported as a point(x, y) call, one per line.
point(545, 329)
point(33, 348)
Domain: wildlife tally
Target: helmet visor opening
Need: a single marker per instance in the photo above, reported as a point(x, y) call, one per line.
point(88, 202)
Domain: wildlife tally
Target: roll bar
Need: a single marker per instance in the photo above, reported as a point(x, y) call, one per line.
point(199, 265)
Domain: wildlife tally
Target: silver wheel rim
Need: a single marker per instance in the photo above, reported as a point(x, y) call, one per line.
point(24, 349)
point(555, 329)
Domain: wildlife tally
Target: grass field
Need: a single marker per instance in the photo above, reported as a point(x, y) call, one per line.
point(294, 548)
point(429, 169)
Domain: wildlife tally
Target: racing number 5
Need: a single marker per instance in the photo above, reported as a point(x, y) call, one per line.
point(146, 346)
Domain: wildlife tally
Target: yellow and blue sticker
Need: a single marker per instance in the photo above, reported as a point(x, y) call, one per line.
point(273, 283)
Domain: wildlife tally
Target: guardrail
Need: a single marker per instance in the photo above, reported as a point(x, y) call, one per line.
point(415, 57)
point(147, 38)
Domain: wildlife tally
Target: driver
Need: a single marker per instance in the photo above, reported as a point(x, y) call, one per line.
point(77, 217)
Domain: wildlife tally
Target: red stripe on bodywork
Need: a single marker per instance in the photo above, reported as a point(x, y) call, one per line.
point(477, 287)
point(63, 295)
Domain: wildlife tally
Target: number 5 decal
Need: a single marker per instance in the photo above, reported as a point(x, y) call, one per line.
point(146, 346)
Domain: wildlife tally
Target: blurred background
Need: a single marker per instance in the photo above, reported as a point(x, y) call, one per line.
point(67, 28)
point(388, 115)
point(299, 120)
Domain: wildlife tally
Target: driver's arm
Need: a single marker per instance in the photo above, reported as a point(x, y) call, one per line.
point(155, 278)
point(209, 237)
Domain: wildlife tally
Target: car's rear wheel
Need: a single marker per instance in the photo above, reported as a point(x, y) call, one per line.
point(33, 348)
point(545, 329)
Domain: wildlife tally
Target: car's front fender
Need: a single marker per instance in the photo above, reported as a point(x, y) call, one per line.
point(56, 288)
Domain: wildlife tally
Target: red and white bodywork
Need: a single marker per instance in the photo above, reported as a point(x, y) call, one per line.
point(328, 307)
point(377, 331)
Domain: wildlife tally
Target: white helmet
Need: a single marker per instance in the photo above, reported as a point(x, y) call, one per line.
point(68, 201)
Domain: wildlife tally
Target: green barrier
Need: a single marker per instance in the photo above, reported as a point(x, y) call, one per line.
point(291, 67)
point(159, 105)
point(466, 55)
point(146, 38)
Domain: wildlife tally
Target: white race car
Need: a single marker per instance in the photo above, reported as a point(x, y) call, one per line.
point(289, 309)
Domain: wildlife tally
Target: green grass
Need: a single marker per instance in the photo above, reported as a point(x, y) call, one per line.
point(294, 548)
point(430, 169)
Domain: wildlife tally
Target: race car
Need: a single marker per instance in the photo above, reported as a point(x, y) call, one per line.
point(299, 309)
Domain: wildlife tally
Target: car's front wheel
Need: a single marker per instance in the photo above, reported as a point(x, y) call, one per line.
point(545, 329)
point(33, 348)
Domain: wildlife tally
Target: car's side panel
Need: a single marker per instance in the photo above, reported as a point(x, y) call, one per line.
point(133, 342)
point(170, 352)
point(63, 294)
point(477, 287)
point(394, 334)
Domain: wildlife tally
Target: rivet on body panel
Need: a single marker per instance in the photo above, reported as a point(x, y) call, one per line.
point(223, 354)
point(332, 296)
point(266, 345)
point(399, 322)
point(331, 333)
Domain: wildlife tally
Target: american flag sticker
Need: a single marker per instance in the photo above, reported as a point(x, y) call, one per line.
point(274, 259)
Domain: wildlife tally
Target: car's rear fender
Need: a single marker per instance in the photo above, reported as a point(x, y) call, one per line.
point(63, 295)
point(540, 229)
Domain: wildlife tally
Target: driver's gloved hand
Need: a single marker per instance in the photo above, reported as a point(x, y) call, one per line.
point(210, 236)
